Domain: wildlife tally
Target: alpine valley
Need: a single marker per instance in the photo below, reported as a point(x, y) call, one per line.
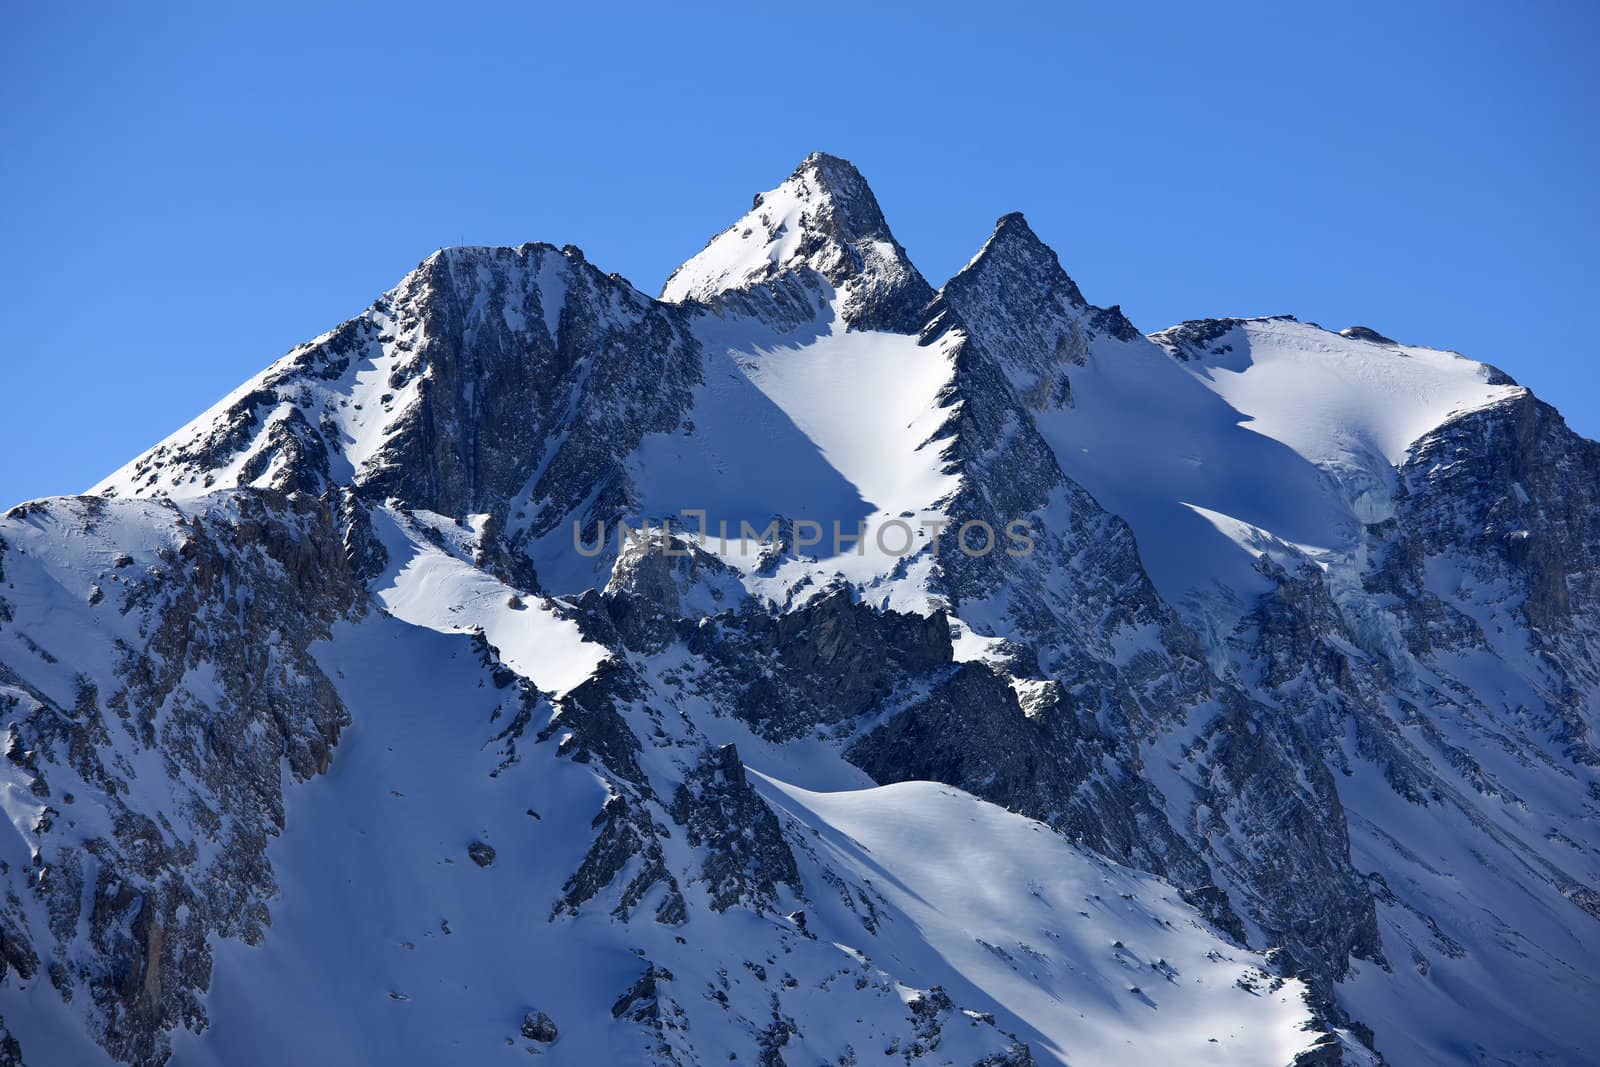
point(327, 741)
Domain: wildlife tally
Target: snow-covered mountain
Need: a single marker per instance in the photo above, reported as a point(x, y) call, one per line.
point(356, 722)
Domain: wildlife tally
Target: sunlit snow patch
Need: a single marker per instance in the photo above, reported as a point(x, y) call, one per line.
point(427, 586)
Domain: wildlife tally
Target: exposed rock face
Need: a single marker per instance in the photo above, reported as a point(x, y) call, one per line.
point(537, 1026)
point(626, 848)
point(955, 735)
point(1512, 489)
point(660, 580)
point(746, 857)
point(1368, 749)
point(1200, 339)
point(503, 376)
point(826, 663)
point(1042, 307)
point(640, 1002)
point(10, 1051)
point(1366, 333)
point(218, 697)
point(1025, 325)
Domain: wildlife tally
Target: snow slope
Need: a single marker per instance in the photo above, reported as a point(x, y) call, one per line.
point(837, 428)
point(425, 585)
point(1334, 399)
point(391, 946)
point(1102, 965)
point(1274, 436)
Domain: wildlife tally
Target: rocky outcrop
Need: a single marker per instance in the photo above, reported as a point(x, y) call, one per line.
point(219, 695)
point(660, 584)
point(825, 663)
point(537, 1026)
point(10, 1050)
point(746, 857)
point(627, 846)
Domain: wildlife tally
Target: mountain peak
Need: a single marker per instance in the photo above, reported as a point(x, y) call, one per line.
point(1017, 302)
point(817, 159)
point(1013, 248)
point(855, 209)
point(822, 221)
point(1014, 222)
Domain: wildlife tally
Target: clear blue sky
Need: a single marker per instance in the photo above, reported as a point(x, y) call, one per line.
point(190, 191)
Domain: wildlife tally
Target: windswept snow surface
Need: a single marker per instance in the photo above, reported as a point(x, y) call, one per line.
point(1278, 432)
point(1334, 398)
point(1101, 964)
point(1509, 976)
